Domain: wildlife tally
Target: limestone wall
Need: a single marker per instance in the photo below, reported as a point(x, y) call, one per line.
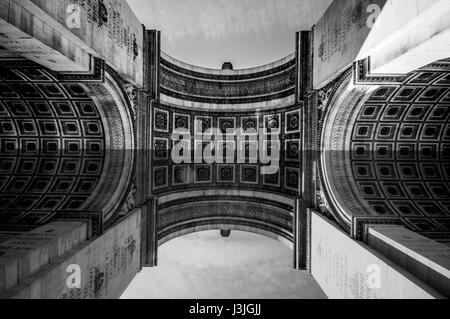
point(106, 266)
point(347, 269)
point(399, 36)
point(63, 35)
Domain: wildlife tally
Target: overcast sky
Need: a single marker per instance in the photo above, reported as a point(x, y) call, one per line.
point(247, 33)
point(206, 266)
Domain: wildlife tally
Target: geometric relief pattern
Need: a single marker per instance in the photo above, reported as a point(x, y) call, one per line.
point(401, 151)
point(52, 146)
point(243, 212)
point(170, 176)
point(161, 120)
point(187, 85)
point(293, 121)
point(272, 124)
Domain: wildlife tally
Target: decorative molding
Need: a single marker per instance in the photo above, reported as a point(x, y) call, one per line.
point(232, 119)
point(225, 77)
point(263, 86)
point(224, 211)
point(359, 224)
point(116, 124)
point(132, 94)
point(237, 100)
point(97, 74)
point(308, 230)
point(285, 205)
point(95, 218)
point(362, 75)
point(292, 122)
point(324, 99)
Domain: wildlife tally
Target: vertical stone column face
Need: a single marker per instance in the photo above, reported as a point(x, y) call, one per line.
point(347, 269)
point(426, 259)
point(299, 234)
point(305, 100)
point(70, 268)
point(24, 256)
point(145, 197)
point(65, 35)
point(149, 246)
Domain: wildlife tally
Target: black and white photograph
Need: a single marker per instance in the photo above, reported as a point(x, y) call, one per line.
point(219, 155)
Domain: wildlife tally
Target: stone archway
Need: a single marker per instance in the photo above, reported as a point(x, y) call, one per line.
point(384, 159)
point(270, 221)
point(67, 147)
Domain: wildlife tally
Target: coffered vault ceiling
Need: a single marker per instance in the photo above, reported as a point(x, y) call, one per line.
point(247, 33)
point(52, 145)
point(401, 154)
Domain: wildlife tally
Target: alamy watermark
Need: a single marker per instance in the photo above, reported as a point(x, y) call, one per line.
point(373, 276)
point(374, 11)
point(73, 280)
point(73, 20)
point(230, 147)
point(73, 15)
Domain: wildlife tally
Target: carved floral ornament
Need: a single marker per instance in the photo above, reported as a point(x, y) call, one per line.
point(325, 96)
point(130, 202)
point(132, 95)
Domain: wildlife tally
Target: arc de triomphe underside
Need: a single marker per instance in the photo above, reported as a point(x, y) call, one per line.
point(91, 117)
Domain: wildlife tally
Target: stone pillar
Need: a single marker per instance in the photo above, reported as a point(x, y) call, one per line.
point(149, 247)
point(24, 256)
point(66, 39)
point(348, 269)
point(426, 259)
point(300, 236)
point(399, 37)
point(147, 97)
point(58, 261)
point(305, 100)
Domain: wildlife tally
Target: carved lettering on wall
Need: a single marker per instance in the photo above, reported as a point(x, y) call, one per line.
point(101, 275)
point(102, 13)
